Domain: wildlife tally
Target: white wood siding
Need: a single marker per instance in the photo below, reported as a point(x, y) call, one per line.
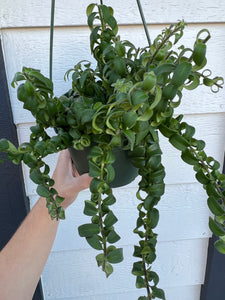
point(71, 272)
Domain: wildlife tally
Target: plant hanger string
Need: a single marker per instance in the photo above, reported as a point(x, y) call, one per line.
point(144, 22)
point(51, 38)
point(101, 2)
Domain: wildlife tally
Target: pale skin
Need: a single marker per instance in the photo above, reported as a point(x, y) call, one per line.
point(22, 260)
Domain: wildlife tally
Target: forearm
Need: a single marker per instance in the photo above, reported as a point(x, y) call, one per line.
point(26, 253)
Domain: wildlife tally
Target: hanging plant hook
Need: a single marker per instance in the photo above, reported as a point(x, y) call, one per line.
point(144, 22)
point(51, 38)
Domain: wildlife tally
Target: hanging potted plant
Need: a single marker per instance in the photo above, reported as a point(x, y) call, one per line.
point(118, 108)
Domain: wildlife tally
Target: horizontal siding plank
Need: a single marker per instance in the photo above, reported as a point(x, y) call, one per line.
point(74, 274)
point(30, 47)
point(181, 204)
point(15, 13)
point(177, 293)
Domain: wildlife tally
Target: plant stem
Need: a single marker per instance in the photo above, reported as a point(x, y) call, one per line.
point(146, 279)
point(51, 38)
point(212, 179)
point(102, 229)
point(144, 22)
point(100, 219)
point(163, 43)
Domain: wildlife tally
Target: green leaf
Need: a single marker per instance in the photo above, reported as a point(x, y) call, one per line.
point(220, 220)
point(110, 157)
point(138, 97)
point(108, 269)
point(113, 237)
point(94, 242)
point(153, 276)
point(94, 35)
point(189, 157)
point(179, 142)
point(110, 173)
point(202, 177)
point(199, 53)
point(113, 24)
point(193, 83)
point(36, 176)
point(142, 298)
point(216, 228)
point(87, 116)
point(169, 91)
point(17, 77)
point(129, 119)
point(106, 12)
point(40, 146)
point(137, 251)
point(130, 135)
point(154, 217)
point(158, 293)
point(211, 191)
point(150, 257)
point(140, 282)
point(95, 185)
point(95, 152)
point(149, 81)
point(220, 246)
point(91, 19)
point(90, 208)
point(109, 200)
point(4, 145)
point(139, 232)
point(200, 145)
point(110, 219)
point(89, 9)
point(100, 259)
point(154, 162)
point(88, 230)
point(59, 200)
point(215, 207)
point(43, 191)
point(61, 214)
point(157, 190)
point(158, 97)
point(181, 73)
point(115, 256)
point(164, 68)
point(41, 79)
point(94, 170)
point(146, 250)
point(146, 115)
point(138, 269)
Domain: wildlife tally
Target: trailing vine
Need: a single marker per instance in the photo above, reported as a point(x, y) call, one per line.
point(122, 103)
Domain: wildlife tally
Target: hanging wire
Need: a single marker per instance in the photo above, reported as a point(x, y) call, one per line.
point(51, 38)
point(144, 22)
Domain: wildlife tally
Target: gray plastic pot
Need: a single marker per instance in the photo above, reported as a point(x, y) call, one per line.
point(125, 172)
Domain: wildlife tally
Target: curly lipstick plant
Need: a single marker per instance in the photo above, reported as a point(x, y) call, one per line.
point(122, 103)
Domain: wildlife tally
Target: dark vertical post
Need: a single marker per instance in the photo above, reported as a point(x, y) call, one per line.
point(214, 286)
point(14, 204)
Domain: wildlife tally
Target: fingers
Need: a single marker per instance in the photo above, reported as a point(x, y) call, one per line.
point(83, 181)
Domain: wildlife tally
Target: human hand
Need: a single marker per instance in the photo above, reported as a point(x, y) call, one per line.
point(68, 182)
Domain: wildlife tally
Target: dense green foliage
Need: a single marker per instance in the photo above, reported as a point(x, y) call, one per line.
point(124, 102)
